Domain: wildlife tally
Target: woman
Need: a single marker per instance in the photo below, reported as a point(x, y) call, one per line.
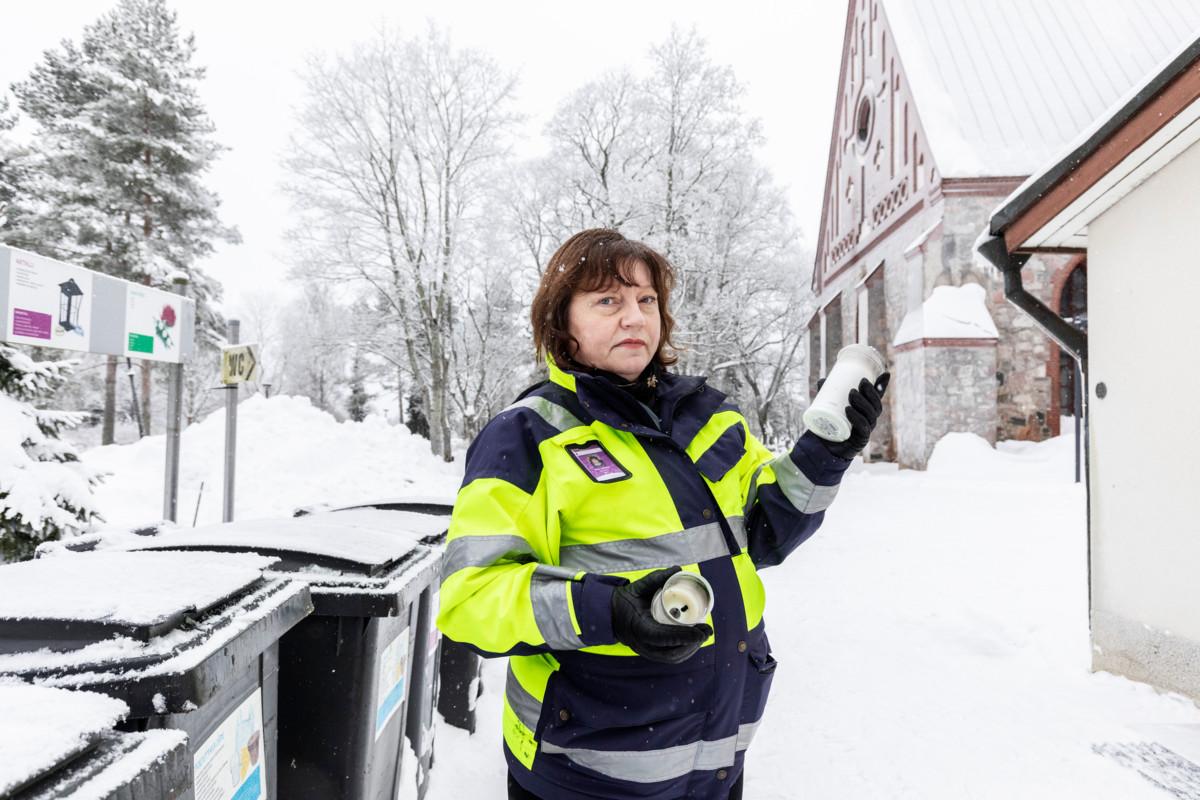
point(581, 499)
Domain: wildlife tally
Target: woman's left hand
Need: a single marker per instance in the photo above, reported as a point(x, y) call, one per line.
point(866, 406)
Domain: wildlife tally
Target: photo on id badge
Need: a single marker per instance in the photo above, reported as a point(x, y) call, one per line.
point(598, 463)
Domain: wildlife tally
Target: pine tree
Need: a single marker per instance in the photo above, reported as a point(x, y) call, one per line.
point(14, 167)
point(124, 145)
point(45, 490)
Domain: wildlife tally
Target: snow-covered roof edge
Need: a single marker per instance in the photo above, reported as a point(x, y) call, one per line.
point(1091, 138)
point(950, 312)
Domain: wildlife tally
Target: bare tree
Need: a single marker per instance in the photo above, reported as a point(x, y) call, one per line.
point(669, 159)
point(390, 167)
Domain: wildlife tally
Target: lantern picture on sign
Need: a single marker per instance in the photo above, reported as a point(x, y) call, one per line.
point(69, 305)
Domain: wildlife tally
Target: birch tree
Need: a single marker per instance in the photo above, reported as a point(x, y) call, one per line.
point(389, 167)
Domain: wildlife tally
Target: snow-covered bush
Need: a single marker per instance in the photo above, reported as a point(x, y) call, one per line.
point(45, 491)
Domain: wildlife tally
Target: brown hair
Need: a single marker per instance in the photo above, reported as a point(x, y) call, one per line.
point(587, 262)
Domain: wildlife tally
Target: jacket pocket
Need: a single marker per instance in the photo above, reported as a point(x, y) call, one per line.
point(634, 712)
point(759, 675)
point(726, 451)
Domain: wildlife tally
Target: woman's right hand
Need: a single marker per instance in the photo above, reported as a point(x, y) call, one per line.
point(634, 624)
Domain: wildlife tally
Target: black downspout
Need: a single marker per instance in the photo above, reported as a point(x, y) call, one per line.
point(1066, 335)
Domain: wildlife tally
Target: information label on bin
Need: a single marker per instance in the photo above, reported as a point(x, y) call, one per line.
point(231, 764)
point(390, 673)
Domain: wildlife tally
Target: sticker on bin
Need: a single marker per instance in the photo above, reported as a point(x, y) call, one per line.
point(230, 765)
point(389, 681)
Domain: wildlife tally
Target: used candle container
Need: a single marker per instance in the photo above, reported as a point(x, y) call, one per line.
point(685, 599)
point(826, 417)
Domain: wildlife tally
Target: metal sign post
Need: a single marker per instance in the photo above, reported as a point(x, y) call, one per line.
point(231, 397)
point(239, 364)
point(179, 284)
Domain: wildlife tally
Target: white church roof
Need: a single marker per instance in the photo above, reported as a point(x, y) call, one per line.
point(1002, 85)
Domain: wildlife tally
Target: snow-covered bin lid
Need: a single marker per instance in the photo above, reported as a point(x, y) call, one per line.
point(360, 562)
point(950, 312)
point(41, 729)
point(438, 505)
point(366, 542)
point(58, 743)
point(175, 671)
point(63, 601)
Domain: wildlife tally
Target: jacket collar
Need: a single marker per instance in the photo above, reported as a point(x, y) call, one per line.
point(616, 408)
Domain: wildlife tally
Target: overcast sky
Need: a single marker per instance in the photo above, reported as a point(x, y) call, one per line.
point(786, 53)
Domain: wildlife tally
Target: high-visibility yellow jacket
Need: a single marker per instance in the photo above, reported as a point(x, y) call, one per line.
point(570, 491)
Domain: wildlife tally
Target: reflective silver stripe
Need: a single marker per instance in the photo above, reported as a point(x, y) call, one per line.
point(551, 571)
point(690, 546)
point(480, 551)
point(650, 766)
point(738, 524)
point(548, 594)
point(555, 415)
point(745, 734)
point(806, 496)
point(524, 705)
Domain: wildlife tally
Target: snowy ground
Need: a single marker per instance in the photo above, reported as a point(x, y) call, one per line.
point(933, 643)
point(932, 637)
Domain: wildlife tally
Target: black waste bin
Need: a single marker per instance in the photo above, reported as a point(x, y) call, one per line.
point(189, 641)
point(346, 672)
point(457, 668)
point(56, 744)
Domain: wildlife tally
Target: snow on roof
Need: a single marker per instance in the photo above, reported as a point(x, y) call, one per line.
point(1000, 85)
point(126, 588)
point(41, 727)
point(951, 312)
point(1018, 199)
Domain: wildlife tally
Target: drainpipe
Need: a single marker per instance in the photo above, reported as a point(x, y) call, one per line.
point(1066, 335)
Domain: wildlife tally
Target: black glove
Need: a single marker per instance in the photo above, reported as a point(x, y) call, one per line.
point(866, 404)
point(634, 625)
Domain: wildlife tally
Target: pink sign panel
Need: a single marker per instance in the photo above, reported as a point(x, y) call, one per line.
point(33, 324)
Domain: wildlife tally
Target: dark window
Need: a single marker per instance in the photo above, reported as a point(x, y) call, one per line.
point(814, 354)
point(1072, 306)
point(833, 333)
point(863, 126)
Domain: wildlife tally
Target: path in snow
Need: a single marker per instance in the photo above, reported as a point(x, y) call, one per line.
point(932, 643)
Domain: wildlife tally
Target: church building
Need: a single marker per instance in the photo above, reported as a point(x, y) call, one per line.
point(943, 109)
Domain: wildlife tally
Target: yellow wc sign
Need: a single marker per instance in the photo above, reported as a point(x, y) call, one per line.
point(239, 364)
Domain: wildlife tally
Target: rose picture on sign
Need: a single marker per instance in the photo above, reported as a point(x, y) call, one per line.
point(151, 324)
point(164, 324)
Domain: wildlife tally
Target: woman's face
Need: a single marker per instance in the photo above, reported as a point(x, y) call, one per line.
point(618, 326)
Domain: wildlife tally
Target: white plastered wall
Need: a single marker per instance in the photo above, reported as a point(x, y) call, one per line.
point(1143, 343)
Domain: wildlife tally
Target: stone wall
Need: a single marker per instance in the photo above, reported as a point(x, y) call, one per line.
point(961, 395)
point(908, 406)
point(942, 386)
point(1026, 406)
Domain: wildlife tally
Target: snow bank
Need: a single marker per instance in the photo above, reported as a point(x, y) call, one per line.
point(951, 312)
point(968, 457)
point(290, 454)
